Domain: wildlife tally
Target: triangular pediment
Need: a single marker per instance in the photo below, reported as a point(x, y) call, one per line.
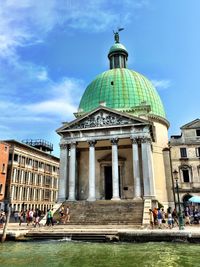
point(102, 117)
point(192, 125)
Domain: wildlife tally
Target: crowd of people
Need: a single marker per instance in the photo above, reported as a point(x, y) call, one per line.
point(33, 217)
point(158, 218)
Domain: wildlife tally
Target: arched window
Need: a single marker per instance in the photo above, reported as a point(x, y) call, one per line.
point(186, 173)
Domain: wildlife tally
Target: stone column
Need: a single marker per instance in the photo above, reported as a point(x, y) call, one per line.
point(27, 196)
point(12, 192)
point(91, 196)
point(34, 194)
point(40, 194)
point(72, 171)
point(14, 175)
point(136, 169)
point(62, 187)
point(115, 171)
point(20, 193)
point(147, 167)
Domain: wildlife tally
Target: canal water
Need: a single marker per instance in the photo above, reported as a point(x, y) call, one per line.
point(77, 254)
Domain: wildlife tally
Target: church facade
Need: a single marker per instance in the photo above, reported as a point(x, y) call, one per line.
point(113, 150)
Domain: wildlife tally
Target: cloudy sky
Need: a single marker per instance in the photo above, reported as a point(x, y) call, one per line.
point(51, 49)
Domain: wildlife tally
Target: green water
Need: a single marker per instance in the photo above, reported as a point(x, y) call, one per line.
point(77, 254)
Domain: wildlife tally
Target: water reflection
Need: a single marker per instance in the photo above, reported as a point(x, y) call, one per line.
point(77, 254)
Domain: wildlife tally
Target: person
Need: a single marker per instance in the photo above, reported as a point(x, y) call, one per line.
point(2, 218)
point(16, 215)
point(21, 217)
point(31, 216)
point(37, 215)
point(175, 217)
point(61, 211)
point(51, 217)
point(169, 218)
point(67, 214)
point(187, 216)
point(159, 216)
point(163, 217)
point(27, 217)
point(155, 216)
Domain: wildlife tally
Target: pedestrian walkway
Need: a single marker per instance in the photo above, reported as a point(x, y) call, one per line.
point(129, 233)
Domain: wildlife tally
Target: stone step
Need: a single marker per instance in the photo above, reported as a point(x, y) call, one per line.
point(104, 212)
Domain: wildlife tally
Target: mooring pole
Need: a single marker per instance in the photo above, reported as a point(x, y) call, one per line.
point(3, 238)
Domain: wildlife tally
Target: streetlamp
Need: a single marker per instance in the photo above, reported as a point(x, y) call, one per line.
point(180, 214)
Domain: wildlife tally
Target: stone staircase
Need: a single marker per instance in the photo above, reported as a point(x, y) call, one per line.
point(102, 212)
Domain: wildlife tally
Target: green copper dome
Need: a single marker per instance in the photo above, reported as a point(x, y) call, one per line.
point(122, 89)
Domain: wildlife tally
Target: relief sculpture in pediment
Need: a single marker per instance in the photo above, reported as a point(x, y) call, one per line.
point(101, 120)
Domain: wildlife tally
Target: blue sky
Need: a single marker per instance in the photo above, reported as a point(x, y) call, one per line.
point(50, 50)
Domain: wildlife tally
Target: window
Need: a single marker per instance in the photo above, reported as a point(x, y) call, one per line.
point(5, 148)
point(4, 168)
point(1, 187)
point(116, 61)
point(186, 178)
point(198, 132)
point(198, 151)
point(15, 157)
point(183, 152)
point(47, 194)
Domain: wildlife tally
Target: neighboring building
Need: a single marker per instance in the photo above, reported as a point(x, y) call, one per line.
point(32, 180)
point(113, 150)
point(185, 159)
point(4, 152)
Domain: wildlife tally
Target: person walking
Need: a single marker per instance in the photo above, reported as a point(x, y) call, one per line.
point(159, 216)
point(169, 218)
point(68, 214)
point(21, 217)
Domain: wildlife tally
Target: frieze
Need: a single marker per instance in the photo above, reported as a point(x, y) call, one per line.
point(102, 120)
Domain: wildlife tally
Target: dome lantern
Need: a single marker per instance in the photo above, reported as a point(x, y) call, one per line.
point(118, 54)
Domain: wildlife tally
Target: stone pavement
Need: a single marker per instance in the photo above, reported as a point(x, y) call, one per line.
point(121, 232)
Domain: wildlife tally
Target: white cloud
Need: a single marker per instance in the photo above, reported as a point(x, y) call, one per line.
point(161, 84)
point(42, 75)
point(60, 103)
point(27, 22)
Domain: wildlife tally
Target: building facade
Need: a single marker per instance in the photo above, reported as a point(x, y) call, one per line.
point(32, 180)
point(4, 152)
point(113, 150)
point(185, 159)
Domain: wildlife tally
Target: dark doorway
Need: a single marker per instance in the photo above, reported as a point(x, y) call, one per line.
point(108, 181)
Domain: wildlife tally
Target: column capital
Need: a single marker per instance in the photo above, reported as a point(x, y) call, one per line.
point(92, 143)
point(114, 141)
point(135, 140)
point(145, 139)
point(64, 146)
point(73, 144)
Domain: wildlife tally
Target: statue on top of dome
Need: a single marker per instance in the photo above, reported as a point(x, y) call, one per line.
point(116, 34)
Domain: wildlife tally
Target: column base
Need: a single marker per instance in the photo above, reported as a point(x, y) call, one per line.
point(60, 200)
point(91, 199)
point(137, 198)
point(71, 199)
point(115, 198)
point(150, 197)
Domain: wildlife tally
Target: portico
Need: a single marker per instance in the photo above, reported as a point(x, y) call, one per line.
point(102, 139)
